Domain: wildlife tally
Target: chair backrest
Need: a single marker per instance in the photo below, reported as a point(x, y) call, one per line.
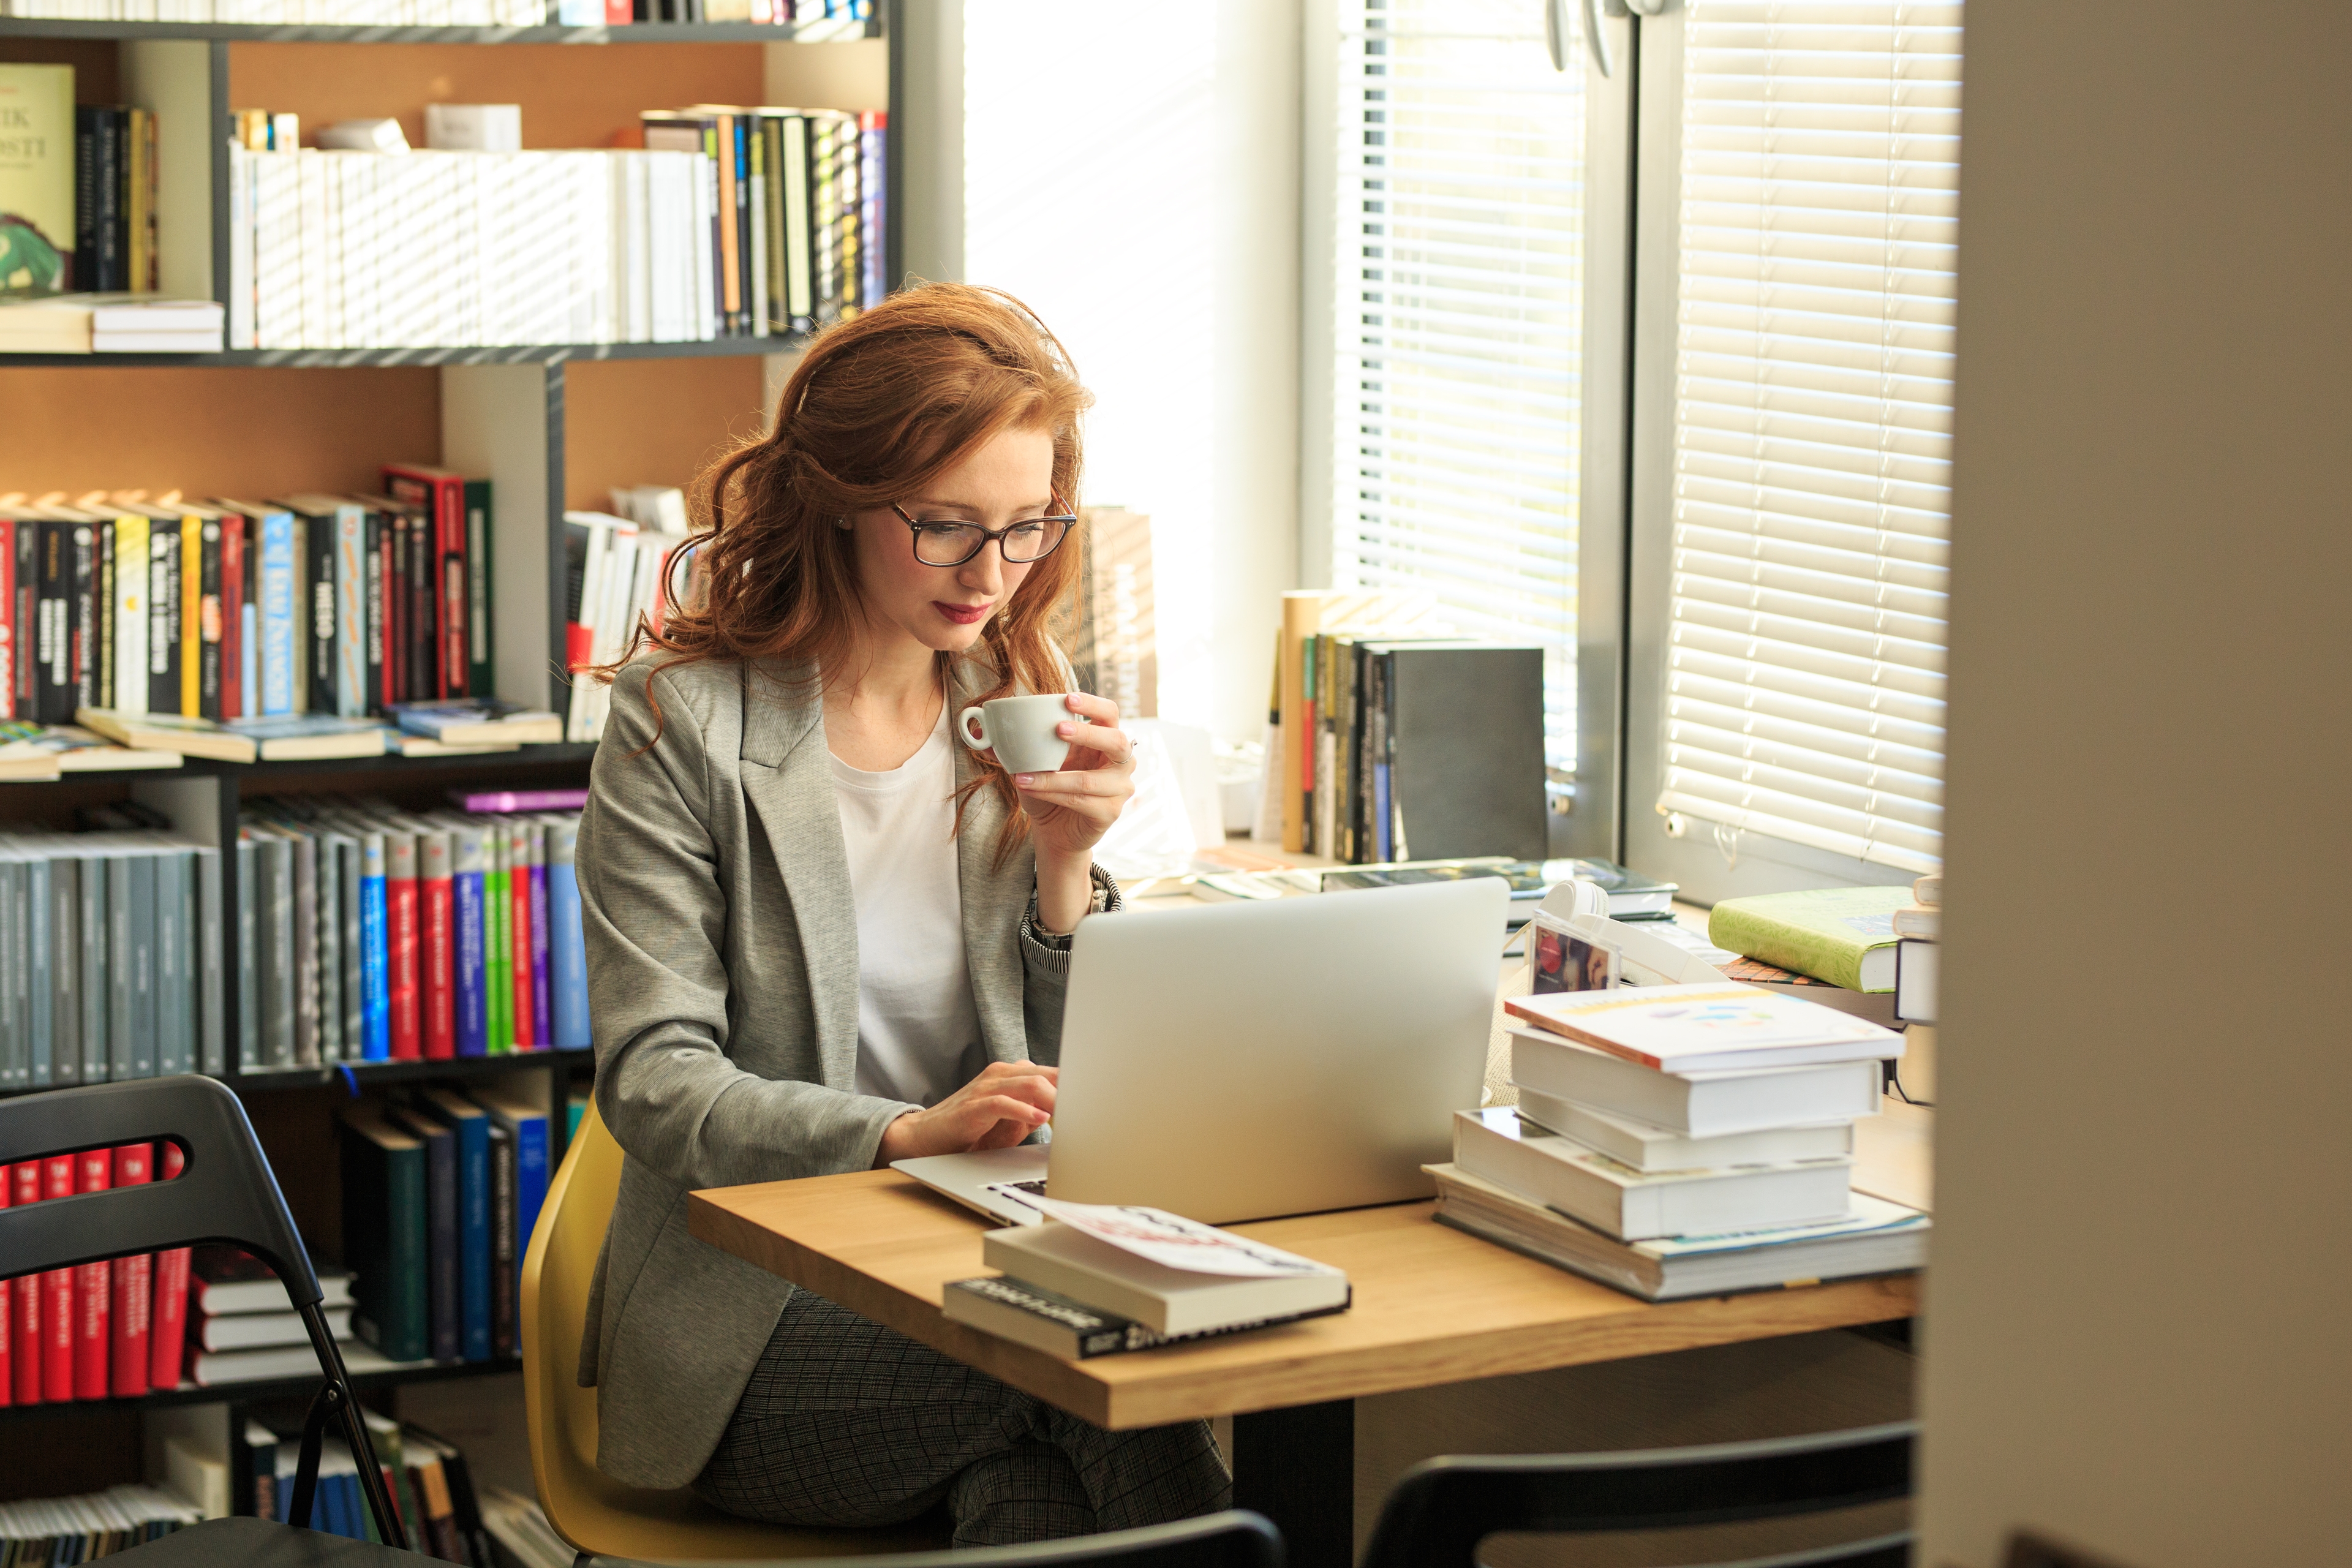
point(588, 1508)
point(1441, 1509)
point(225, 1191)
point(1234, 1539)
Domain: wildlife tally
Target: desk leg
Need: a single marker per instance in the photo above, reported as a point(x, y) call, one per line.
point(1297, 1466)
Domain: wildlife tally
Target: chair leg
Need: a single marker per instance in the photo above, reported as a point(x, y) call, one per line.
point(337, 1399)
point(306, 1469)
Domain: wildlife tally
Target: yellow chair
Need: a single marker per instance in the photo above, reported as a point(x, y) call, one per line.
point(593, 1512)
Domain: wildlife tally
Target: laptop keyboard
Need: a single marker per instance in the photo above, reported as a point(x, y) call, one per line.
point(1037, 1187)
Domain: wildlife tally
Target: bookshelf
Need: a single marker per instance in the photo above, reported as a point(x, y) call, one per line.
point(553, 427)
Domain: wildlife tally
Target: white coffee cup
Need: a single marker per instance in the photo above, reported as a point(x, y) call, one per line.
point(1021, 729)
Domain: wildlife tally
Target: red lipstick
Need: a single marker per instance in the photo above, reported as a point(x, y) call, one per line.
point(961, 615)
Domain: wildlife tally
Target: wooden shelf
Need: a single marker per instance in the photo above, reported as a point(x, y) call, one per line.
point(262, 1391)
point(369, 1074)
point(345, 359)
point(819, 32)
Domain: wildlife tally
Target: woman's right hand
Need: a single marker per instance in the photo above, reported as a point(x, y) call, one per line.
point(1004, 1104)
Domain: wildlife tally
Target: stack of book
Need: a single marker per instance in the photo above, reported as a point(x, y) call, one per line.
point(1681, 1141)
point(1833, 946)
point(222, 610)
point(441, 1189)
point(110, 956)
point(97, 1331)
point(240, 1326)
point(372, 933)
point(1918, 947)
point(729, 222)
point(1095, 1281)
point(79, 1528)
point(614, 573)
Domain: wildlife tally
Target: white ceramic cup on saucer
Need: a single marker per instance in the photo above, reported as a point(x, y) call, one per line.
point(1020, 729)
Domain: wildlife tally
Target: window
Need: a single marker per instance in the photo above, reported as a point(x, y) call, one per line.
point(1792, 494)
point(1458, 304)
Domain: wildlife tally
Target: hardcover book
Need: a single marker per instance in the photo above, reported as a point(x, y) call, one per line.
point(1705, 1028)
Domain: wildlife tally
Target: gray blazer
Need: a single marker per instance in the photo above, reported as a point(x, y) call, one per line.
point(722, 980)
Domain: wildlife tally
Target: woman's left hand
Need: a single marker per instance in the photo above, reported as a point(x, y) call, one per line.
point(1071, 810)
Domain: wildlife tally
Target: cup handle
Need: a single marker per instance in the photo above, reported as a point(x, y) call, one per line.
point(966, 720)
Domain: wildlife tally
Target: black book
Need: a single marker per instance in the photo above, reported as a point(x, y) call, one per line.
point(423, 620)
point(504, 1282)
point(374, 584)
point(55, 690)
point(101, 643)
point(164, 610)
point(25, 648)
point(89, 119)
point(1464, 745)
point(317, 612)
point(443, 1310)
point(113, 260)
point(87, 656)
point(209, 630)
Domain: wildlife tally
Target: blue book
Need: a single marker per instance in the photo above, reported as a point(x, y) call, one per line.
point(567, 958)
point(249, 674)
point(526, 1123)
point(466, 853)
point(443, 1312)
point(471, 1124)
point(278, 619)
point(375, 978)
point(1381, 810)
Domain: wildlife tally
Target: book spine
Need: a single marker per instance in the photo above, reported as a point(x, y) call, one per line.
point(402, 987)
point(232, 617)
point(168, 1314)
point(497, 939)
point(350, 617)
point(568, 955)
point(173, 953)
point(542, 1009)
point(130, 609)
point(422, 618)
point(248, 973)
point(441, 1246)
point(192, 616)
point(121, 1017)
point(64, 970)
point(319, 611)
point(85, 646)
point(505, 1281)
point(24, 600)
point(133, 1280)
point(212, 1035)
point(7, 1326)
point(97, 972)
point(375, 582)
point(375, 1004)
point(519, 940)
point(437, 952)
point(24, 1181)
point(102, 632)
point(279, 975)
point(328, 910)
point(144, 927)
point(40, 963)
point(15, 1053)
point(60, 1296)
point(532, 1171)
point(93, 1336)
point(302, 858)
point(481, 680)
point(472, 955)
point(391, 547)
point(474, 1238)
point(55, 697)
point(276, 614)
point(211, 621)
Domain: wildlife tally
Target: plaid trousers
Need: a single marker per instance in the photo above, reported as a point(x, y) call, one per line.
point(846, 1423)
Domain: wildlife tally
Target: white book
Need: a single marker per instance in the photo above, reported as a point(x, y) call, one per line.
point(1644, 1146)
point(277, 251)
point(1065, 1260)
point(759, 222)
point(705, 211)
point(260, 1331)
point(1634, 1205)
point(1878, 1237)
point(311, 239)
point(1700, 1105)
point(1706, 1027)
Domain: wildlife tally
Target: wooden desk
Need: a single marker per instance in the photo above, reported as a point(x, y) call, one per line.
point(1432, 1306)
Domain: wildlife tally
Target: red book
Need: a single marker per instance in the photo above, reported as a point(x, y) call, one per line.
point(7, 1289)
point(443, 495)
point(23, 1185)
point(58, 1296)
point(617, 13)
point(168, 1315)
point(93, 1336)
point(134, 1286)
point(400, 915)
point(232, 601)
point(526, 1025)
point(437, 958)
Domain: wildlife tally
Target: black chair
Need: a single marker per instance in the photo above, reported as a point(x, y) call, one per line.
point(1441, 1509)
point(225, 1192)
point(1235, 1540)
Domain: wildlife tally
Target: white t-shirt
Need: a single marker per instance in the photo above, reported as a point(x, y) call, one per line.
point(917, 1030)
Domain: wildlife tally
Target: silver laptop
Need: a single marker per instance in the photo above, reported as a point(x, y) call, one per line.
point(1239, 1061)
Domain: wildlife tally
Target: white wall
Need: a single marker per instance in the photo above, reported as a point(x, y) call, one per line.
point(1131, 172)
point(2137, 1328)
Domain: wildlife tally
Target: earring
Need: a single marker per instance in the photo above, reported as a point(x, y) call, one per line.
point(843, 523)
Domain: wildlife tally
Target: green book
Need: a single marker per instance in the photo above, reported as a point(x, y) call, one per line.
point(498, 938)
point(384, 1233)
point(1842, 935)
point(37, 179)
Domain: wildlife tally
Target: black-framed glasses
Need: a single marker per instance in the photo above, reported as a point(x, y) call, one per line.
point(946, 543)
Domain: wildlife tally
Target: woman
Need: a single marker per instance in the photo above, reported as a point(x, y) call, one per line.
point(823, 936)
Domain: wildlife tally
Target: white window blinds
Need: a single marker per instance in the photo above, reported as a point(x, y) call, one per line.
point(1460, 302)
point(1813, 423)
